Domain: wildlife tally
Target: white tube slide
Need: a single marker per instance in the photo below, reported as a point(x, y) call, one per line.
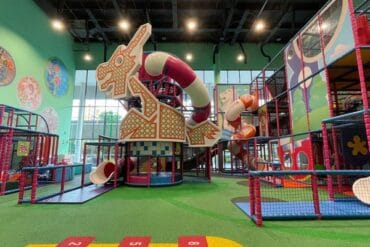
point(361, 189)
point(103, 173)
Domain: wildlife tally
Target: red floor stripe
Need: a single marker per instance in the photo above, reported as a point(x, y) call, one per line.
point(192, 241)
point(135, 241)
point(76, 242)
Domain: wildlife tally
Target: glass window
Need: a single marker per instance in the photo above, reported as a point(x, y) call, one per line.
point(223, 76)
point(233, 76)
point(245, 77)
point(209, 76)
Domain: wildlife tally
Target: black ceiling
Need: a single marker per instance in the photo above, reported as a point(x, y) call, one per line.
point(226, 21)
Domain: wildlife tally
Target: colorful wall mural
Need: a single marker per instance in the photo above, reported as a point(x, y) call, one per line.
point(305, 62)
point(36, 66)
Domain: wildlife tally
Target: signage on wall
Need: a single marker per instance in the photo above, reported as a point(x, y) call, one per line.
point(7, 67)
point(23, 148)
point(56, 77)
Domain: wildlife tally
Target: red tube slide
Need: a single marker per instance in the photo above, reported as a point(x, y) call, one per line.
point(161, 63)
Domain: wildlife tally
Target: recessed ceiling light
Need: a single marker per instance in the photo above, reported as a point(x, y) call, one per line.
point(124, 25)
point(87, 57)
point(240, 57)
point(278, 39)
point(57, 24)
point(189, 57)
point(259, 26)
point(191, 25)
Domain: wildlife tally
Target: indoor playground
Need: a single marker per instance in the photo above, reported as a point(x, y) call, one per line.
point(168, 123)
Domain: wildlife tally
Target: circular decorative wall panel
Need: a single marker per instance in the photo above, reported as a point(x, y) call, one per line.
point(56, 77)
point(29, 93)
point(7, 67)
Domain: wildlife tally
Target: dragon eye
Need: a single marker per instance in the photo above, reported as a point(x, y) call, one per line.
point(119, 60)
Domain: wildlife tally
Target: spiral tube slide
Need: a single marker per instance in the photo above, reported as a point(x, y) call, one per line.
point(232, 115)
point(103, 173)
point(161, 63)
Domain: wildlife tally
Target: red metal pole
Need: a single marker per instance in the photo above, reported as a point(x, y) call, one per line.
point(148, 171)
point(127, 160)
point(10, 118)
point(361, 74)
point(116, 148)
point(35, 149)
point(252, 202)
point(2, 110)
point(327, 160)
point(258, 207)
point(22, 184)
point(41, 149)
point(7, 160)
point(34, 184)
point(277, 118)
point(56, 150)
point(315, 195)
point(232, 161)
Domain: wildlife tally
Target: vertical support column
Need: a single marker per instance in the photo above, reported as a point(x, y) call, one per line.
point(182, 160)
point(56, 150)
point(98, 155)
point(34, 184)
point(7, 152)
point(128, 163)
point(257, 195)
point(315, 195)
point(361, 74)
point(64, 178)
point(327, 160)
point(2, 153)
point(22, 185)
point(116, 149)
point(83, 167)
point(208, 163)
point(251, 196)
point(2, 111)
point(232, 160)
point(173, 163)
point(148, 171)
point(108, 152)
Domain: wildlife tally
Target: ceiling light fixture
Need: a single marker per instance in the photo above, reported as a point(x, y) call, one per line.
point(240, 57)
point(57, 24)
point(124, 25)
point(259, 26)
point(191, 25)
point(189, 57)
point(87, 57)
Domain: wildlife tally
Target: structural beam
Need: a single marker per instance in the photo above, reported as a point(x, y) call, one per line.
point(117, 8)
point(285, 10)
point(97, 26)
point(174, 14)
point(240, 25)
point(228, 19)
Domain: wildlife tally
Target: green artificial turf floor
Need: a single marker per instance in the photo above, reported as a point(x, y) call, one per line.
point(192, 208)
